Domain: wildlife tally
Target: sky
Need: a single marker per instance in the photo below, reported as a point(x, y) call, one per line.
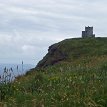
point(29, 27)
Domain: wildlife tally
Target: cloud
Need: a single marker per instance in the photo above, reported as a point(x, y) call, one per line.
point(25, 46)
point(28, 27)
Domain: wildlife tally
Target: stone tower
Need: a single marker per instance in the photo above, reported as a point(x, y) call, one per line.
point(88, 32)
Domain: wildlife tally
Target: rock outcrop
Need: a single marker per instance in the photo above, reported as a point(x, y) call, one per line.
point(54, 55)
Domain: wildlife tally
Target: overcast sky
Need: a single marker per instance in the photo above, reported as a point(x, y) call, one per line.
point(29, 27)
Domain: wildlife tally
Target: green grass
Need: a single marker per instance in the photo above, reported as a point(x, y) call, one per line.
point(77, 82)
point(60, 86)
point(72, 49)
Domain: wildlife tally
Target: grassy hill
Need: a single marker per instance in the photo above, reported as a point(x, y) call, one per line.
point(72, 74)
point(71, 50)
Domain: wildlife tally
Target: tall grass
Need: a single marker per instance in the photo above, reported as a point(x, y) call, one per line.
point(5, 83)
point(82, 83)
point(58, 86)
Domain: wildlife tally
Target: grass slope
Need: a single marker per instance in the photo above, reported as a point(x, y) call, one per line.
point(79, 79)
point(72, 49)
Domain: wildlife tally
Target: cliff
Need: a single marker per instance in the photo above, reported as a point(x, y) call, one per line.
point(72, 49)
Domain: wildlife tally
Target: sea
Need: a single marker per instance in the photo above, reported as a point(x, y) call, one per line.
point(17, 69)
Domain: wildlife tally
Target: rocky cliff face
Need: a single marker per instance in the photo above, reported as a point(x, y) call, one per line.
point(54, 55)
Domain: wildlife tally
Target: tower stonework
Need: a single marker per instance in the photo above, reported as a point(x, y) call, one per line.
point(88, 32)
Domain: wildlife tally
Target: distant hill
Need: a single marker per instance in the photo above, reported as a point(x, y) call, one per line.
point(71, 50)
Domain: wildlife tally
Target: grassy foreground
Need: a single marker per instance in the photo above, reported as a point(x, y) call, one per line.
point(59, 86)
point(78, 83)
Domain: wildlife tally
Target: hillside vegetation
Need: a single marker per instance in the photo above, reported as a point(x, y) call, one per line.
point(70, 50)
point(72, 74)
